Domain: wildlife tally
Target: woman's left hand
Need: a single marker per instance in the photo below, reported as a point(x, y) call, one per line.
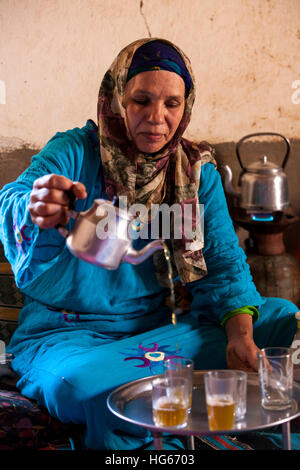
point(241, 353)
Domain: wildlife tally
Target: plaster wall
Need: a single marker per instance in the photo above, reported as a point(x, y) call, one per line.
point(245, 55)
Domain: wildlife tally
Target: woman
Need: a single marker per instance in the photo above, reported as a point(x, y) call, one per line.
point(84, 330)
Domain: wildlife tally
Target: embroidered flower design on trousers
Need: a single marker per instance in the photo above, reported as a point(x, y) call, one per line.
point(151, 357)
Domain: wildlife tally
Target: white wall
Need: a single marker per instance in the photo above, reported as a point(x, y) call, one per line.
point(245, 54)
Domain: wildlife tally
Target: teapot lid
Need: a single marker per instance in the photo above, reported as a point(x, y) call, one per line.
point(264, 166)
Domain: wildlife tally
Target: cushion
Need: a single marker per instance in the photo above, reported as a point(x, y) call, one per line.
point(26, 425)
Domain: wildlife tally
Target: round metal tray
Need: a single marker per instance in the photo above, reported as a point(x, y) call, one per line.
point(133, 402)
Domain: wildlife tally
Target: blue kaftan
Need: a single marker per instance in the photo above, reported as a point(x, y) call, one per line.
point(84, 330)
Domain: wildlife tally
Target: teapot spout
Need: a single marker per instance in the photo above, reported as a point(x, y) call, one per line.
point(138, 256)
point(227, 181)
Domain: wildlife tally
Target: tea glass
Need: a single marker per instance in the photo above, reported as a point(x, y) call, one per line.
point(181, 367)
point(170, 401)
point(220, 394)
point(241, 395)
point(276, 377)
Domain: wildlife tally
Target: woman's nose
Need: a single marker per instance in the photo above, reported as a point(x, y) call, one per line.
point(156, 114)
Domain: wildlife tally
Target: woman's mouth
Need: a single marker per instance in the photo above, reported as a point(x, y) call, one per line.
point(152, 136)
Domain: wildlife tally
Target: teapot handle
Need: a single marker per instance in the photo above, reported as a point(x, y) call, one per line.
point(263, 133)
point(71, 212)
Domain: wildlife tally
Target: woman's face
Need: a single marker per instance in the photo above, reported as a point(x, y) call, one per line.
point(154, 103)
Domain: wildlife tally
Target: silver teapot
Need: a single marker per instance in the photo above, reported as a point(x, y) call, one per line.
point(262, 185)
point(89, 241)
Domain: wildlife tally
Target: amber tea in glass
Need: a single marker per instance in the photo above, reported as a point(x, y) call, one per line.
point(220, 393)
point(220, 412)
point(170, 401)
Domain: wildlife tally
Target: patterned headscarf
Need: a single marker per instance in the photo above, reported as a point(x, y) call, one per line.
point(169, 176)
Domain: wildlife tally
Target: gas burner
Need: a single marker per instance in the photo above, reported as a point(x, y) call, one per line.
point(261, 216)
point(263, 222)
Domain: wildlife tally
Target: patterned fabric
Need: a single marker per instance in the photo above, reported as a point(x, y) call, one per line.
point(151, 357)
point(147, 179)
point(26, 425)
point(256, 440)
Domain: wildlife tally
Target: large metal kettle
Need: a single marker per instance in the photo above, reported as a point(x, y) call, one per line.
point(89, 241)
point(262, 185)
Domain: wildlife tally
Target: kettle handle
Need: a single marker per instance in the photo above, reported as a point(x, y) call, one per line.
point(71, 213)
point(264, 133)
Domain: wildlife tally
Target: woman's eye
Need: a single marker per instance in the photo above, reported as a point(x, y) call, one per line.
point(142, 102)
point(172, 104)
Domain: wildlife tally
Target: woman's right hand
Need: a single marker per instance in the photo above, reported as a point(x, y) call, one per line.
point(49, 200)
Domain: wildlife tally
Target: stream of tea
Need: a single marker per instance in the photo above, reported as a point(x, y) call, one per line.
point(171, 283)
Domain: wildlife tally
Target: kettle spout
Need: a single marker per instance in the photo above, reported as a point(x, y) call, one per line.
point(227, 181)
point(138, 256)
